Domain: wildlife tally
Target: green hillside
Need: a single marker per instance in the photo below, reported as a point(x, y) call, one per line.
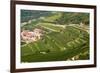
point(62, 40)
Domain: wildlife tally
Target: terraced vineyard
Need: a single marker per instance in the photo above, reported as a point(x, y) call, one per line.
point(60, 44)
point(65, 36)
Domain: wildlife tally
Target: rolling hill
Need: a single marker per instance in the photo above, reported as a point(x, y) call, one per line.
point(61, 40)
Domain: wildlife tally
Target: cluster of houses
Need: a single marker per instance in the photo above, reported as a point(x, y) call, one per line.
point(31, 36)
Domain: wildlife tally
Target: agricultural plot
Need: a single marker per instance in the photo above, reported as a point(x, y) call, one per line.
point(57, 43)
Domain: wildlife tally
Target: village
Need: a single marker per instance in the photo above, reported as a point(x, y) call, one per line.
point(28, 36)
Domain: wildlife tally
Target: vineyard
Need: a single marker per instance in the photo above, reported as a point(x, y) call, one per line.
point(58, 42)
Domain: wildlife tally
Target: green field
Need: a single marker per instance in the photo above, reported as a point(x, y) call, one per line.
point(57, 46)
point(59, 42)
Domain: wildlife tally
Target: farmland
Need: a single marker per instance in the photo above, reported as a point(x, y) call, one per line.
point(61, 40)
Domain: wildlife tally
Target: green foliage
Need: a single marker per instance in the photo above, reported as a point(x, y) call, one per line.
point(27, 15)
point(76, 18)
